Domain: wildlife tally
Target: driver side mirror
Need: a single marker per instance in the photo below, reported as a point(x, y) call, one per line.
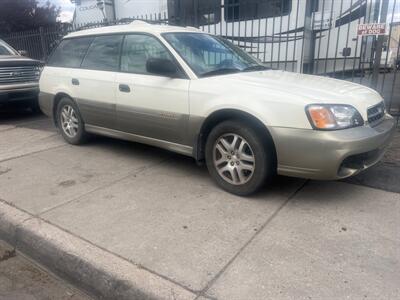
point(23, 52)
point(162, 67)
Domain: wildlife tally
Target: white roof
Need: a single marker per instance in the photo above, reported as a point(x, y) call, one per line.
point(135, 26)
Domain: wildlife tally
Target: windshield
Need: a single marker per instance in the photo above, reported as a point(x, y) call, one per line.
point(6, 49)
point(209, 55)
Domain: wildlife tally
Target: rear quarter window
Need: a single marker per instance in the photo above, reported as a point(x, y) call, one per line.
point(70, 52)
point(103, 53)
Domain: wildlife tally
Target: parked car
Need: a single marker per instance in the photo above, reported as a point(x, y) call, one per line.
point(199, 95)
point(19, 77)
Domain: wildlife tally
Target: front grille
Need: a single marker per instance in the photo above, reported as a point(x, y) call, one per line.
point(376, 112)
point(11, 75)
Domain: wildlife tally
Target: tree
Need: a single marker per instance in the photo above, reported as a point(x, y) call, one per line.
point(20, 15)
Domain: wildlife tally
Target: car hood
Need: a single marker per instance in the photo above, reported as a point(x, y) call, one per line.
point(306, 88)
point(17, 61)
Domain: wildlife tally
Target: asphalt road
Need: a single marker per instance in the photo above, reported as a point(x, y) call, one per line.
point(20, 279)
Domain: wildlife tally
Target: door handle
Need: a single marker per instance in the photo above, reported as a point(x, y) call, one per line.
point(75, 81)
point(124, 88)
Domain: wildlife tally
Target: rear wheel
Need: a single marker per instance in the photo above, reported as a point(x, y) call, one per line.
point(70, 122)
point(238, 158)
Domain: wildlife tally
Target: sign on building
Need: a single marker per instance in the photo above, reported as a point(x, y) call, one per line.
point(371, 29)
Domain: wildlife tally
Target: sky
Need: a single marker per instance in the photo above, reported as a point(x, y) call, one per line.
point(67, 9)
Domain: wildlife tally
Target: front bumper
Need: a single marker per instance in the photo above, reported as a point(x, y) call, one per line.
point(18, 92)
point(330, 155)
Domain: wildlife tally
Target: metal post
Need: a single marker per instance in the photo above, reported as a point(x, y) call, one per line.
point(43, 43)
point(378, 48)
point(196, 13)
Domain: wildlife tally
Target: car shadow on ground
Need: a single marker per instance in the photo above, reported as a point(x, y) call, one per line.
point(382, 176)
point(13, 113)
point(188, 164)
point(19, 116)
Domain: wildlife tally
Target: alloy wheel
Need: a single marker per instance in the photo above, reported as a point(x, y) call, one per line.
point(234, 159)
point(69, 121)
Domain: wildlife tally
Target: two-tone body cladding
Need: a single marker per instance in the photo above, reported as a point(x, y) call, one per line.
point(198, 95)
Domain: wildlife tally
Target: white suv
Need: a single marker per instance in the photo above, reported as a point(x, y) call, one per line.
point(199, 95)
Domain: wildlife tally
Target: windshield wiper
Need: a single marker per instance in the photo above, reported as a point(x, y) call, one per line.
point(220, 72)
point(255, 68)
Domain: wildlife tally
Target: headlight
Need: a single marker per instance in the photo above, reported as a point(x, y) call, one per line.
point(38, 70)
point(333, 116)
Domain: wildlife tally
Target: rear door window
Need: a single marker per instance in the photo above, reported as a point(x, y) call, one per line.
point(103, 53)
point(70, 52)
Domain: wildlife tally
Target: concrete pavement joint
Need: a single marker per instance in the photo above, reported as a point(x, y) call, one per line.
point(11, 237)
point(32, 153)
point(263, 226)
point(22, 125)
point(136, 172)
point(19, 208)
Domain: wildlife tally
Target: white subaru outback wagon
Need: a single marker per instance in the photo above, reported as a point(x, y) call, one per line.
point(199, 95)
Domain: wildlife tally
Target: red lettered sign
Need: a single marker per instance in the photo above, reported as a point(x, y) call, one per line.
point(371, 29)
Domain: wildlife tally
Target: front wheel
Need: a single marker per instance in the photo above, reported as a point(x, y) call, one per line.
point(239, 158)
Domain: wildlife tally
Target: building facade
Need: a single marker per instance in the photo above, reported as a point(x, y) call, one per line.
point(89, 11)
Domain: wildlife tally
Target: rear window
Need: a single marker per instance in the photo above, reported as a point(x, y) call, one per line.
point(70, 52)
point(4, 50)
point(103, 53)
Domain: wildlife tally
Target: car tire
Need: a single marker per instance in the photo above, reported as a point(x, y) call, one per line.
point(70, 122)
point(239, 158)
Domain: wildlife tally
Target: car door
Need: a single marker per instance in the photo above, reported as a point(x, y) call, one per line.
point(95, 81)
point(149, 105)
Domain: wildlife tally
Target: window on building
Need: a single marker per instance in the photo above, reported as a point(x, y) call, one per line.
point(314, 5)
point(209, 12)
point(243, 10)
point(194, 13)
point(103, 53)
point(137, 49)
point(70, 52)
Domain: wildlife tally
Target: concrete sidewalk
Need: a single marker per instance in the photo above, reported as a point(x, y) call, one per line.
point(123, 220)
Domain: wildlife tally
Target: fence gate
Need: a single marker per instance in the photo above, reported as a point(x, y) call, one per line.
point(358, 40)
point(336, 38)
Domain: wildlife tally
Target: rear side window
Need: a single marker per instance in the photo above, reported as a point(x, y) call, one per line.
point(70, 52)
point(103, 53)
point(4, 51)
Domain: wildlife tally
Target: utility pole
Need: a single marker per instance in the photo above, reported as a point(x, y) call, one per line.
point(100, 5)
point(379, 46)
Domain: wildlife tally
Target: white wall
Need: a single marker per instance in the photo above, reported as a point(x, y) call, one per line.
point(87, 12)
point(135, 8)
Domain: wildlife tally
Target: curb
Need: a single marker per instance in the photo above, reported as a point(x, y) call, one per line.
point(86, 266)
